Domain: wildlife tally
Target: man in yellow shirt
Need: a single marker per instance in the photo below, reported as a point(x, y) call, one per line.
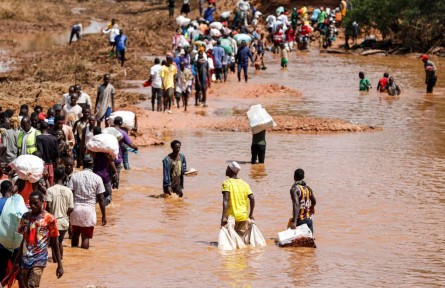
point(168, 74)
point(236, 192)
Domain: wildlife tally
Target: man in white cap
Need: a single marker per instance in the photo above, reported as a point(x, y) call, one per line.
point(236, 192)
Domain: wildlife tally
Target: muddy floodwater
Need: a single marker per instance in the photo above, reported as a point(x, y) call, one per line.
point(380, 195)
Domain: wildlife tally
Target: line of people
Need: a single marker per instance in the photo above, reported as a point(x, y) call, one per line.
point(63, 200)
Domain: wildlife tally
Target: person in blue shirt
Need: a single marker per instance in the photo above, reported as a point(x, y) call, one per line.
point(218, 55)
point(121, 46)
point(208, 14)
point(76, 30)
point(242, 58)
point(315, 15)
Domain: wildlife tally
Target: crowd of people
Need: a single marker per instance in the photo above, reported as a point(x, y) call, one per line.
point(63, 199)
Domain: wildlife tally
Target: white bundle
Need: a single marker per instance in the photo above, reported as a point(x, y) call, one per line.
point(216, 25)
point(113, 131)
point(183, 42)
point(242, 37)
point(128, 118)
point(182, 21)
point(105, 143)
point(215, 33)
point(179, 20)
point(28, 167)
point(228, 238)
point(259, 119)
point(286, 237)
point(225, 14)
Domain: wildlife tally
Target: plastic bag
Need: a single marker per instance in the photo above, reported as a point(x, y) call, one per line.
point(9, 222)
point(105, 143)
point(254, 236)
point(28, 167)
point(259, 119)
point(228, 238)
point(288, 236)
point(128, 118)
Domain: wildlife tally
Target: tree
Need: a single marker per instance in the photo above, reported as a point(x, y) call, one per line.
point(413, 24)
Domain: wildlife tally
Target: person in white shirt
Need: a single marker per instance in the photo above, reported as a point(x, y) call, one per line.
point(156, 85)
point(114, 31)
point(66, 96)
point(72, 112)
point(284, 20)
point(84, 99)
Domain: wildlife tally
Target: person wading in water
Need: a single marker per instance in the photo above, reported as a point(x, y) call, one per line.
point(174, 165)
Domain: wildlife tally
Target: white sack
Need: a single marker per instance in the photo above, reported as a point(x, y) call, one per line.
point(128, 118)
point(254, 236)
point(259, 119)
point(286, 237)
point(231, 239)
point(216, 25)
point(225, 14)
point(105, 143)
point(242, 37)
point(113, 131)
point(215, 33)
point(225, 242)
point(179, 20)
point(28, 167)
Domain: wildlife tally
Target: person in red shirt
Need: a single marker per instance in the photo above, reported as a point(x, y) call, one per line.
point(39, 230)
point(290, 38)
point(381, 86)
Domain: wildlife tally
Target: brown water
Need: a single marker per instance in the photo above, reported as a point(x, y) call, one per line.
point(380, 196)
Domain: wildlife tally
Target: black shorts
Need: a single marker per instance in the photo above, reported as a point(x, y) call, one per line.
point(112, 43)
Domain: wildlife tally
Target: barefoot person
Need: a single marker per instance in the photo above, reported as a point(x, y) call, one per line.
point(174, 166)
point(105, 100)
point(184, 80)
point(202, 78)
point(87, 187)
point(242, 58)
point(39, 230)
point(237, 198)
point(303, 202)
point(59, 202)
point(121, 46)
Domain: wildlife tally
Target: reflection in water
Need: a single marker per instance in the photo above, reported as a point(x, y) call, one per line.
point(302, 266)
point(257, 171)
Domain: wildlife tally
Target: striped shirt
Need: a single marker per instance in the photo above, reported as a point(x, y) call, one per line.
point(86, 185)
